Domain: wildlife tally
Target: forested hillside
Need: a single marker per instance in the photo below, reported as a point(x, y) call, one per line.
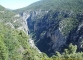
point(14, 42)
point(54, 26)
point(53, 5)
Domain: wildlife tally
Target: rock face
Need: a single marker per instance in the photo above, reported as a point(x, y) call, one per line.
point(54, 30)
point(53, 24)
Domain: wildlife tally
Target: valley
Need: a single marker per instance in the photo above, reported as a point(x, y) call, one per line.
point(44, 30)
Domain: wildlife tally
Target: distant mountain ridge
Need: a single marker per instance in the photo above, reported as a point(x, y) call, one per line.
point(54, 4)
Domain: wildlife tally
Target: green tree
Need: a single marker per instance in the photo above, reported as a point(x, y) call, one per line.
point(3, 51)
point(72, 48)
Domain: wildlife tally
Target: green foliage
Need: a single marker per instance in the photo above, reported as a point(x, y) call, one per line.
point(58, 54)
point(69, 53)
point(14, 45)
point(67, 24)
point(8, 17)
point(1, 8)
point(72, 49)
point(3, 51)
point(74, 5)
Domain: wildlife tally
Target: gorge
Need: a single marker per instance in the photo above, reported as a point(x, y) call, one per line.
point(53, 29)
point(44, 30)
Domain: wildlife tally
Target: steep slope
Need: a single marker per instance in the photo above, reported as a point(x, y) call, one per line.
point(54, 24)
point(14, 40)
point(12, 19)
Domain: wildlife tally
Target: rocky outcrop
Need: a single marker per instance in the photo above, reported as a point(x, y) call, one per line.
point(76, 37)
point(54, 30)
point(44, 27)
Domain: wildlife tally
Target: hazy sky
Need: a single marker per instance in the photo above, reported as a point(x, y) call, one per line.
point(15, 4)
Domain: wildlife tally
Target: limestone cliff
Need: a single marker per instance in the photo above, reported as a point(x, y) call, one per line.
point(53, 24)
